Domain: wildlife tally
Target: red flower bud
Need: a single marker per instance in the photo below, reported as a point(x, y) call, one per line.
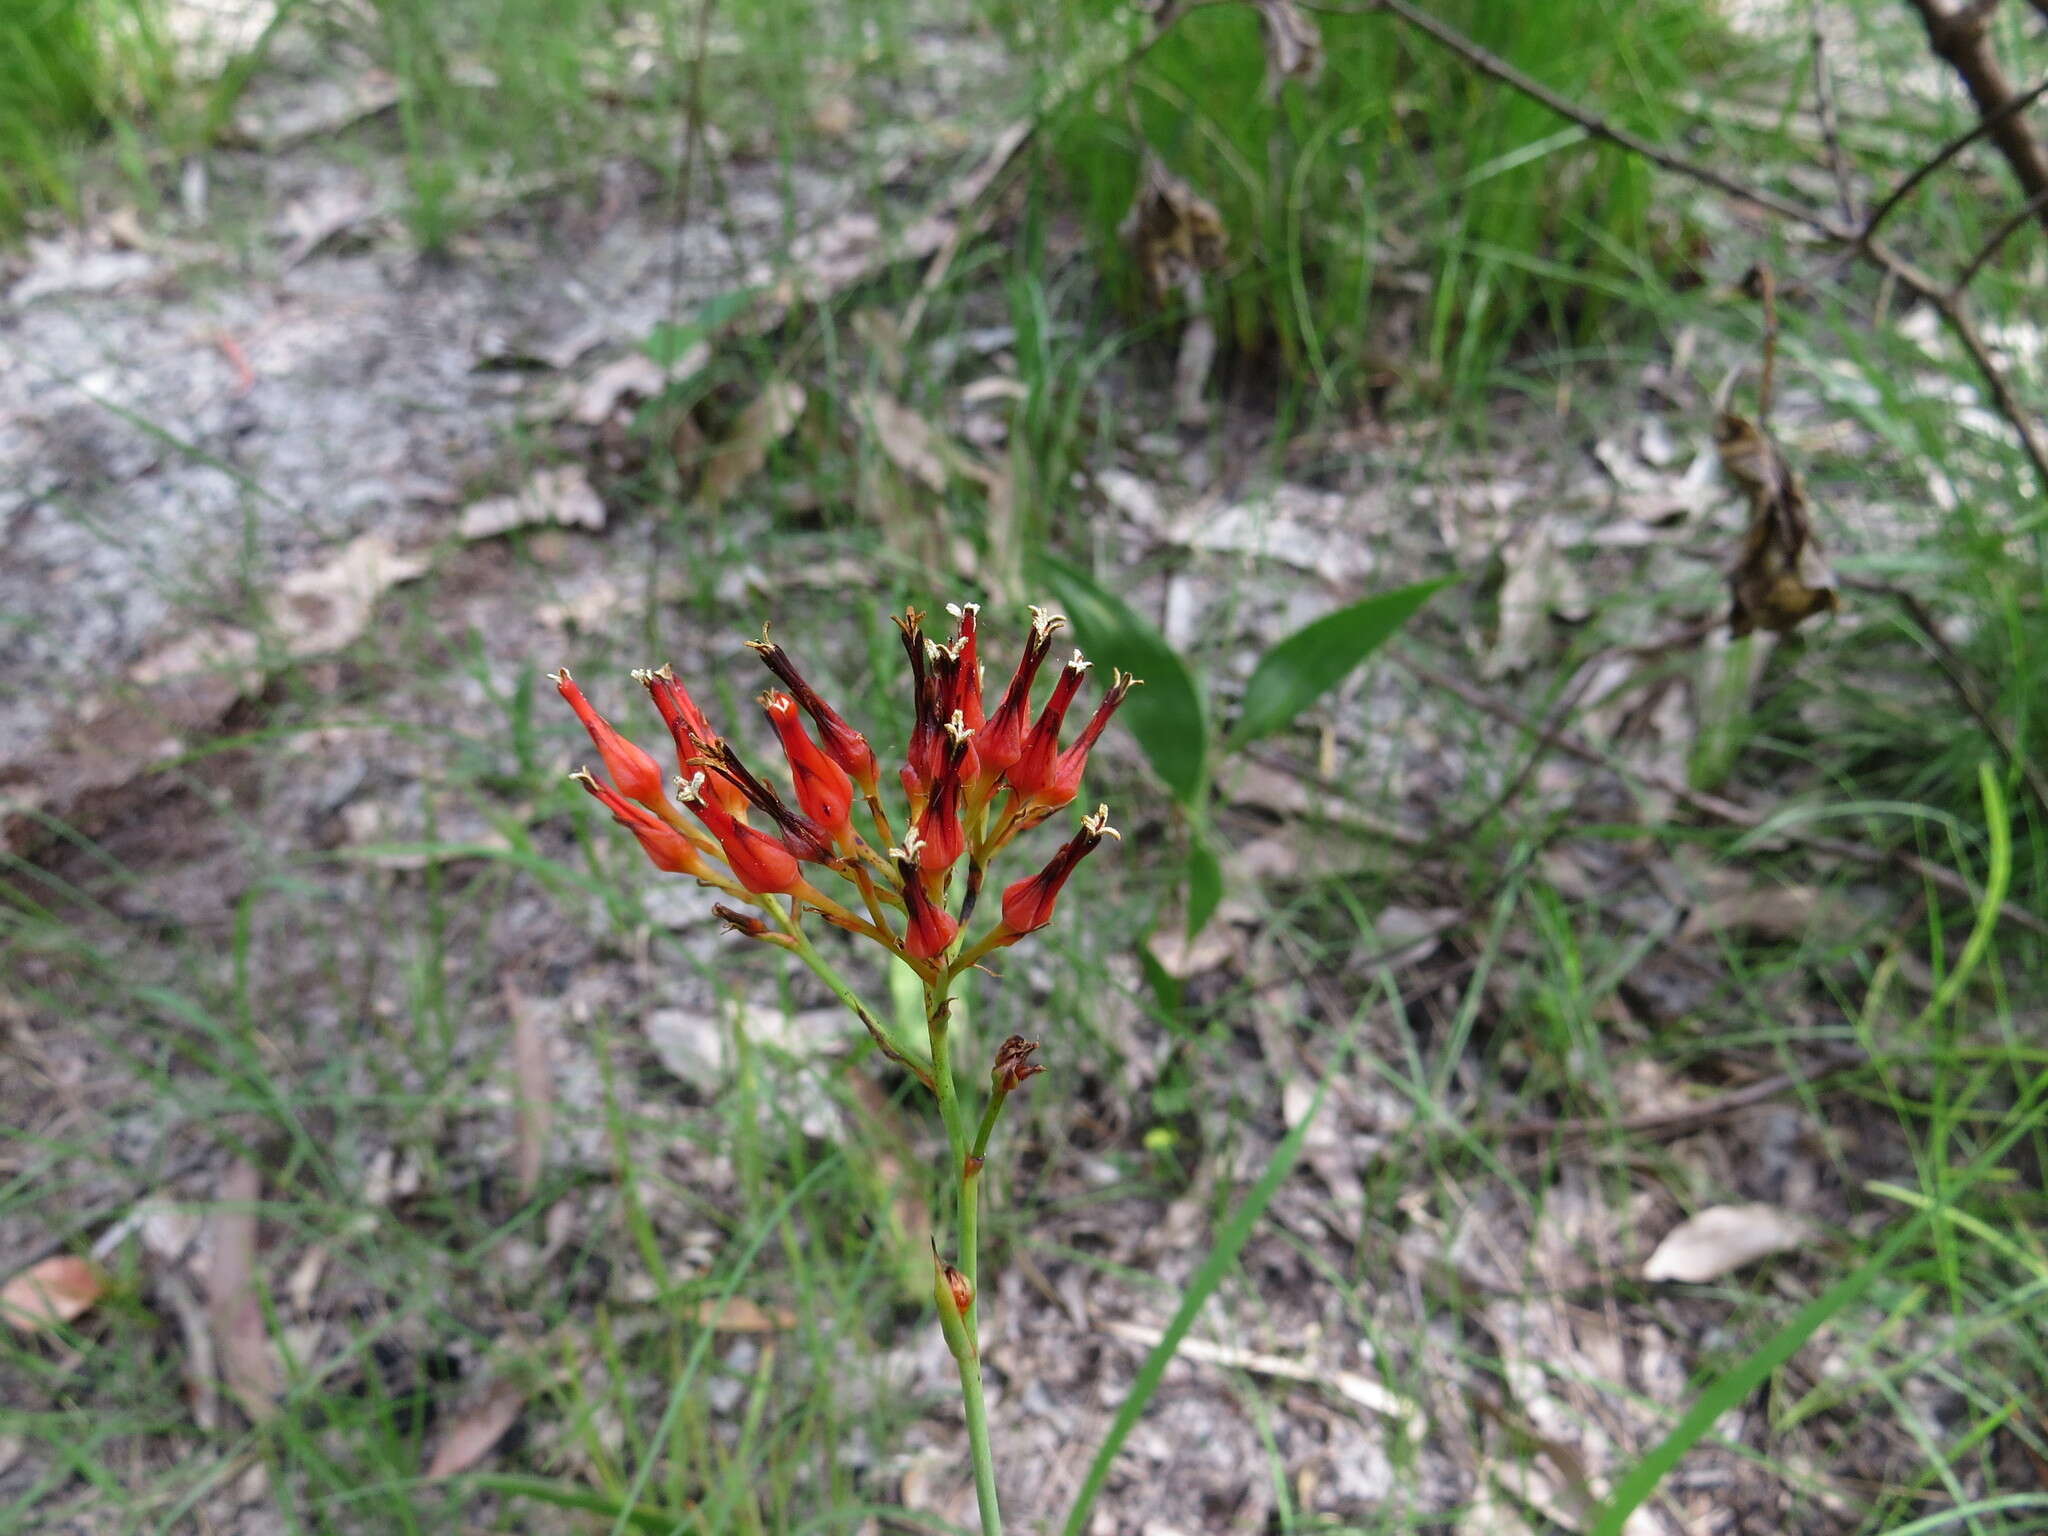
point(1028, 904)
point(823, 788)
point(926, 755)
point(1034, 767)
point(929, 929)
point(842, 743)
point(759, 862)
point(800, 835)
point(666, 847)
point(636, 774)
point(1001, 742)
point(941, 838)
point(694, 737)
point(1066, 773)
point(967, 690)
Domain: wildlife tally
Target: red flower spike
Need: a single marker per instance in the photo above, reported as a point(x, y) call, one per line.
point(842, 743)
point(1034, 767)
point(667, 849)
point(1001, 742)
point(941, 838)
point(759, 862)
point(1028, 904)
point(967, 695)
point(1066, 773)
point(694, 737)
point(929, 929)
point(636, 774)
point(823, 787)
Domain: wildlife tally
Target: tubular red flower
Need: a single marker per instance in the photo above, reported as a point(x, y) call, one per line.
point(800, 835)
point(926, 755)
point(967, 687)
point(1001, 742)
point(842, 743)
point(694, 738)
point(1028, 904)
point(759, 862)
point(666, 848)
point(1065, 783)
point(636, 774)
point(929, 929)
point(940, 835)
point(823, 788)
point(949, 688)
point(1034, 767)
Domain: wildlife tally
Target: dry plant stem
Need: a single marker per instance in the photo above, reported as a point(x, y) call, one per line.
point(1830, 119)
point(1713, 805)
point(1962, 37)
point(1861, 241)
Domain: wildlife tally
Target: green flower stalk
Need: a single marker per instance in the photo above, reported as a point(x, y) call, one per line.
point(973, 783)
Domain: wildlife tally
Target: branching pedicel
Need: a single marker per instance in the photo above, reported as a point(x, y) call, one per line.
point(972, 783)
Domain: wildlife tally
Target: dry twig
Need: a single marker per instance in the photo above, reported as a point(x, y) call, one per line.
point(1962, 37)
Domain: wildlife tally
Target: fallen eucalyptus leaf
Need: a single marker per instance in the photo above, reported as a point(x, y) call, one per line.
point(1722, 1239)
point(47, 1295)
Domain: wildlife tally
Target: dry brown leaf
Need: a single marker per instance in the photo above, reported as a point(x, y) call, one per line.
point(324, 608)
point(736, 1314)
point(476, 1429)
point(912, 444)
point(1723, 1238)
point(1294, 45)
point(1782, 579)
point(560, 497)
point(536, 1092)
point(772, 416)
point(233, 1306)
point(1174, 234)
point(59, 1290)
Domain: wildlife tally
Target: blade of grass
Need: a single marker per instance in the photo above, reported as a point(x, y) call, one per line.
point(1230, 1241)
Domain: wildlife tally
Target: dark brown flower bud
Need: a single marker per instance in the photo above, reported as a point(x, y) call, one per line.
point(1014, 1064)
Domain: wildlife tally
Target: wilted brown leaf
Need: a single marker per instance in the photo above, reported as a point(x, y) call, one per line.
point(232, 1304)
point(476, 1429)
point(1782, 579)
point(771, 417)
point(1722, 1239)
point(1294, 45)
point(736, 1314)
point(49, 1294)
point(912, 444)
point(1174, 234)
point(560, 497)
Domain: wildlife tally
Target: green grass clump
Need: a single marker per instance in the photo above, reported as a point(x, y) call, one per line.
point(50, 66)
point(1328, 188)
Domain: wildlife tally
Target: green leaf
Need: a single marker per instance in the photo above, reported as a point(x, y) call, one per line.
point(1205, 881)
point(1319, 656)
point(1166, 715)
point(671, 340)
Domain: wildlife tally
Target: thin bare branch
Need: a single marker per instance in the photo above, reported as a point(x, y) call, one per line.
point(1963, 38)
point(1949, 151)
point(2020, 215)
point(1830, 119)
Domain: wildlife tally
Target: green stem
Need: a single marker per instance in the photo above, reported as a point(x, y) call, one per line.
point(965, 1169)
point(977, 1441)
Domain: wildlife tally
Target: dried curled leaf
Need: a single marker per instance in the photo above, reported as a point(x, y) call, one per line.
point(1722, 1239)
point(1782, 578)
point(47, 1295)
point(1174, 233)
point(1294, 45)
